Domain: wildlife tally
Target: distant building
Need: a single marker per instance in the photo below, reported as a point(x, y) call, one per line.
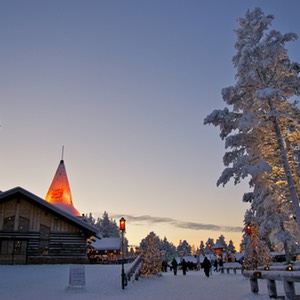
point(38, 231)
point(104, 250)
point(218, 248)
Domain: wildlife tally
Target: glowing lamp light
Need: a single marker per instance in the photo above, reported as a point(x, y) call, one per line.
point(248, 229)
point(122, 224)
point(257, 274)
point(122, 229)
point(209, 246)
point(289, 268)
point(267, 268)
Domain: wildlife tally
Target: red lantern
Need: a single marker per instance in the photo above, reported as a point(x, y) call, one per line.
point(248, 229)
point(122, 224)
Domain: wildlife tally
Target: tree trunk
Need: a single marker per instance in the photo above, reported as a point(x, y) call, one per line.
point(287, 169)
point(287, 253)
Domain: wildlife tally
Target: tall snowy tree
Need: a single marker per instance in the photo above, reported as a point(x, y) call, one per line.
point(208, 246)
point(151, 261)
point(231, 247)
point(185, 247)
point(90, 219)
point(168, 247)
point(202, 248)
point(262, 132)
point(108, 227)
point(221, 240)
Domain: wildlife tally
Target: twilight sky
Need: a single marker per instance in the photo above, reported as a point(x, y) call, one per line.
point(125, 86)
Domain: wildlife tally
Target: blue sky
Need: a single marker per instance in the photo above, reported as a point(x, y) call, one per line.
point(125, 87)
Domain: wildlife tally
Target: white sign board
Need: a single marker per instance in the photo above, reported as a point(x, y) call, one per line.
point(77, 276)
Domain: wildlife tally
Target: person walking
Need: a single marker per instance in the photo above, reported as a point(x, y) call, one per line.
point(216, 265)
point(206, 266)
point(184, 266)
point(221, 263)
point(174, 265)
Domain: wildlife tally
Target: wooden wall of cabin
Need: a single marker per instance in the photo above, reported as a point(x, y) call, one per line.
point(36, 216)
point(49, 238)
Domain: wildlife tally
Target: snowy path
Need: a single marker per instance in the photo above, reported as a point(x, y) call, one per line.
point(48, 282)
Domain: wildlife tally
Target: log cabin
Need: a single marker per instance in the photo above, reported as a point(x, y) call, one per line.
point(34, 231)
point(43, 231)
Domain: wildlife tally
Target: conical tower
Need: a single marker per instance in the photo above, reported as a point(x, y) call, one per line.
point(59, 192)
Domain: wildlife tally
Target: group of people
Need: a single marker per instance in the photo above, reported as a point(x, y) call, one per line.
point(183, 264)
point(206, 265)
point(218, 264)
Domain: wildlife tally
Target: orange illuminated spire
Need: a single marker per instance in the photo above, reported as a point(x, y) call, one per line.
point(59, 192)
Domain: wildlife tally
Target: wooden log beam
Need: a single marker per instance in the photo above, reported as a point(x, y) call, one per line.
point(272, 290)
point(289, 290)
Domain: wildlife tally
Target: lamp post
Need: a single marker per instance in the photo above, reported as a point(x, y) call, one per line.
point(122, 229)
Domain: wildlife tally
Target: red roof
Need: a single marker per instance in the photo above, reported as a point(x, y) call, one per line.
point(59, 193)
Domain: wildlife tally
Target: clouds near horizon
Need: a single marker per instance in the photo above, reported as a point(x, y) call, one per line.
point(147, 219)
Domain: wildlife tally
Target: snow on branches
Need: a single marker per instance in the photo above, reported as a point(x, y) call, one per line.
point(261, 129)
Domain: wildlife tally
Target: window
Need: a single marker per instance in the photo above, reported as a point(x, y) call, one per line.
point(23, 224)
point(9, 223)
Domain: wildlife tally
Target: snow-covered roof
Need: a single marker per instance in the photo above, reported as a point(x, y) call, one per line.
point(107, 244)
point(55, 209)
point(218, 246)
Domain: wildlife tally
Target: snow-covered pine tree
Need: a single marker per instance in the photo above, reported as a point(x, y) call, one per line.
point(208, 246)
point(202, 248)
point(221, 241)
point(89, 218)
point(264, 121)
point(107, 226)
point(151, 261)
point(257, 253)
point(168, 247)
point(231, 247)
point(185, 247)
point(274, 214)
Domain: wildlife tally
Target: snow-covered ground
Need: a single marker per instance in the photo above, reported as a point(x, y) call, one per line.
point(45, 282)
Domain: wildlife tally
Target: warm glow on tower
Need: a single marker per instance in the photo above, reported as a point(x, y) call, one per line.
point(59, 192)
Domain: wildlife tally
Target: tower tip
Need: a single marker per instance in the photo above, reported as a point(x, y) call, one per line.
point(62, 152)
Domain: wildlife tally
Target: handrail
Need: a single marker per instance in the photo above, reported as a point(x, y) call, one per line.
point(134, 268)
point(288, 278)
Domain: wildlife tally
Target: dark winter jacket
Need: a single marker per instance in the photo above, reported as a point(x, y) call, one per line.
point(206, 264)
point(183, 265)
point(174, 264)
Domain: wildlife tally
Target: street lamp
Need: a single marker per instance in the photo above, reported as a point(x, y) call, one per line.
point(122, 229)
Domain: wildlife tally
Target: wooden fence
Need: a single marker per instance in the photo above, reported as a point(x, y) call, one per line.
point(133, 271)
point(288, 277)
point(233, 269)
